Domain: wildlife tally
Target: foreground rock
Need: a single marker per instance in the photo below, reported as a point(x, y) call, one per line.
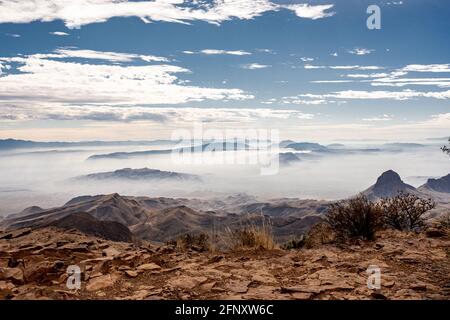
point(33, 265)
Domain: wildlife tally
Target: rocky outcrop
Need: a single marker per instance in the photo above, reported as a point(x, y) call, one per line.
point(89, 225)
point(438, 185)
point(388, 185)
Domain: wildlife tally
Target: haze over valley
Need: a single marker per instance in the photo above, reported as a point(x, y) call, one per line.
point(50, 176)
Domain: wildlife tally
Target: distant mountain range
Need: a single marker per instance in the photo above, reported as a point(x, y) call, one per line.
point(8, 144)
point(338, 148)
point(438, 185)
point(122, 218)
point(206, 147)
point(139, 174)
point(163, 219)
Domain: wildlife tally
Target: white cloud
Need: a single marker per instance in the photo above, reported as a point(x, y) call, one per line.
point(59, 33)
point(402, 82)
point(131, 114)
point(43, 80)
point(255, 66)
point(334, 54)
point(427, 68)
point(395, 3)
point(13, 35)
point(305, 102)
point(265, 50)
point(371, 95)
point(331, 81)
point(354, 67)
point(306, 59)
point(367, 76)
point(310, 67)
point(313, 12)
point(360, 51)
point(228, 52)
point(81, 12)
point(63, 53)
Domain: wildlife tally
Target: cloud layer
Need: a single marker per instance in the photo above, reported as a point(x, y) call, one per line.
point(81, 12)
point(58, 78)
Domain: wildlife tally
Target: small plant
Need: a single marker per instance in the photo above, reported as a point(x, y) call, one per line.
point(321, 233)
point(354, 218)
point(294, 243)
point(444, 221)
point(251, 236)
point(196, 242)
point(405, 211)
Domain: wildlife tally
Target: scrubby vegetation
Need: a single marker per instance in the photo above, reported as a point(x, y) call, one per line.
point(253, 234)
point(251, 237)
point(197, 242)
point(354, 218)
point(405, 211)
point(444, 221)
point(297, 243)
point(319, 234)
point(362, 218)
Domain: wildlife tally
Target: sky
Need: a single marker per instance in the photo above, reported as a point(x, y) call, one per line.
point(119, 70)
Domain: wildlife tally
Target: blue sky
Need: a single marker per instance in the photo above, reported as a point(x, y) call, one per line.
point(102, 69)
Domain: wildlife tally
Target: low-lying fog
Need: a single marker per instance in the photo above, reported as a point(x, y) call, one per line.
point(41, 177)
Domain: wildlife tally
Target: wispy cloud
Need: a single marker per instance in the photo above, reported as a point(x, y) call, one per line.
point(59, 33)
point(427, 68)
point(360, 51)
point(99, 113)
point(344, 67)
point(372, 95)
point(228, 52)
point(254, 66)
point(403, 82)
point(78, 13)
point(384, 117)
point(332, 81)
point(13, 35)
point(50, 80)
point(63, 53)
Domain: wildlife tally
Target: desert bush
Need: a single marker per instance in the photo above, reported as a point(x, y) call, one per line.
point(252, 235)
point(354, 218)
point(405, 211)
point(198, 242)
point(444, 221)
point(297, 243)
point(320, 234)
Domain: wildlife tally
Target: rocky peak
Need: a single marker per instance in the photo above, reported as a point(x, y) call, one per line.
point(439, 185)
point(389, 177)
point(389, 184)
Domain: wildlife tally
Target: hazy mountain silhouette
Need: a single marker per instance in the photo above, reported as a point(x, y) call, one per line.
point(389, 184)
point(139, 174)
point(438, 185)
